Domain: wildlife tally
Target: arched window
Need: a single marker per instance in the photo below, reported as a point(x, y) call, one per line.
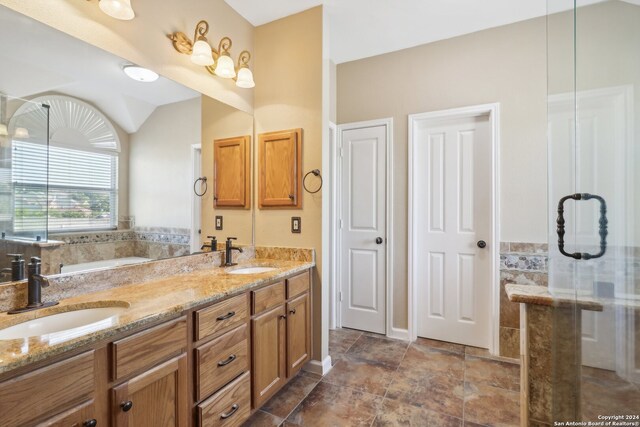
point(79, 167)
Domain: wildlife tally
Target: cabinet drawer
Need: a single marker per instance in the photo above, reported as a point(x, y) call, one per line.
point(268, 297)
point(46, 390)
point(221, 360)
point(297, 284)
point(221, 316)
point(78, 416)
point(230, 407)
point(147, 348)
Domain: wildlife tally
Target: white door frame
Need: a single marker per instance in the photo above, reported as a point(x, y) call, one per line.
point(493, 110)
point(336, 318)
point(196, 202)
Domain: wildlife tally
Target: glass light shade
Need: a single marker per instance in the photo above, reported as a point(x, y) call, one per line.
point(3, 130)
point(225, 67)
point(119, 9)
point(201, 54)
point(140, 74)
point(245, 78)
point(22, 133)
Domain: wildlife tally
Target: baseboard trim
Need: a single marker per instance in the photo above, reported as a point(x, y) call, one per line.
point(317, 367)
point(398, 334)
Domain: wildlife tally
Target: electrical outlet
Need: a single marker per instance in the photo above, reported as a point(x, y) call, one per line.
point(296, 224)
point(218, 222)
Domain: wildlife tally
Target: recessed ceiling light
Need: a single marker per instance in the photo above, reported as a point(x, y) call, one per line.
point(140, 74)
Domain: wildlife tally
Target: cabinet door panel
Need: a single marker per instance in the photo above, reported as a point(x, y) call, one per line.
point(157, 397)
point(280, 169)
point(80, 416)
point(298, 333)
point(269, 354)
point(231, 163)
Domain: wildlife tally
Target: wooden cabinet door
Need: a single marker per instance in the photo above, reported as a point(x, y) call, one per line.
point(269, 354)
point(280, 169)
point(157, 397)
point(231, 165)
point(298, 333)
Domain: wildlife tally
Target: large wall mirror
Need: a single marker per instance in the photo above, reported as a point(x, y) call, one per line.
point(117, 179)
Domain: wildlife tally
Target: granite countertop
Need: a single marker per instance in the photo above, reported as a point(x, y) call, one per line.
point(152, 301)
point(540, 295)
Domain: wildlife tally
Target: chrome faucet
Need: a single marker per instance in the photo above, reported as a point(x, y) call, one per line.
point(228, 251)
point(35, 283)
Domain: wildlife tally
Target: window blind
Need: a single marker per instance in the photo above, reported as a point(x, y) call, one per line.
point(82, 188)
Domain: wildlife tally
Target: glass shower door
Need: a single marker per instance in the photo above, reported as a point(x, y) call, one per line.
point(594, 205)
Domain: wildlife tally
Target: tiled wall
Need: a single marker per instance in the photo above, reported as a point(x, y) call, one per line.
point(521, 263)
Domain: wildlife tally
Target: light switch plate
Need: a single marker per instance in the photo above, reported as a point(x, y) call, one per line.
point(218, 222)
point(296, 224)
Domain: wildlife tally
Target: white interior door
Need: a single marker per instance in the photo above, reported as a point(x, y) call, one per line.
point(362, 228)
point(452, 229)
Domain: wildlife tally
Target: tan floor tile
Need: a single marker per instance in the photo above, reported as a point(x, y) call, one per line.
point(262, 419)
point(427, 389)
point(379, 349)
point(330, 405)
point(492, 372)
point(340, 340)
point(422, 357)
point(290, 396)
point(371, 377)
point(442, 345)
point(491, 406)
point(394, 413)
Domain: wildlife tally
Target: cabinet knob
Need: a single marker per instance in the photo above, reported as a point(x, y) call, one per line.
point(126, 406)
point(291, 196)
point(90, 423)
point(292, 311)
point(282, 316)
point(233, 410)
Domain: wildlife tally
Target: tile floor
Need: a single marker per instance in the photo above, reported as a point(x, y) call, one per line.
point(376, 381)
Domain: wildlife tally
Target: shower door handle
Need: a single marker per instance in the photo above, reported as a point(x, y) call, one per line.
point(602, 229)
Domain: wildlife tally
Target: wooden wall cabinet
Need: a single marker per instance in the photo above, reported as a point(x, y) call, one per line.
point(280, 169)
point(232, 172)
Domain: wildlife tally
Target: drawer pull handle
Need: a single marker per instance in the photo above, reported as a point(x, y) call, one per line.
point(233, 410)
point(90, 423)
point(226, 316)
point(227, 360)
point(292, 311)
point(126, 406)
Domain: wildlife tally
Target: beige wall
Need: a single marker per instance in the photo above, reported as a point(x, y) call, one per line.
point(288, 94)
point(160, 165)
point(222, 121)
point(505, 65)
point(143, 40)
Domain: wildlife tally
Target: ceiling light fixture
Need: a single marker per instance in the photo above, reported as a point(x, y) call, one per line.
point(22, 133)
point(216, 61)
point(140, 74)
point(118, 9)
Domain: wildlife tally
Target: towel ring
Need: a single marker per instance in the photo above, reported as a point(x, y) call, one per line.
point(315, 172)
point(206, 187)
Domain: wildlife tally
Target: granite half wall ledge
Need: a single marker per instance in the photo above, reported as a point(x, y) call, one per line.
point(14, 294)
point(540, 295)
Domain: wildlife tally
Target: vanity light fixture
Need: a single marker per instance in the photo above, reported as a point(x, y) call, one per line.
point(140, 74)
point(3, 130)
point(22, 133)
point(217, 61)
point(118, 9)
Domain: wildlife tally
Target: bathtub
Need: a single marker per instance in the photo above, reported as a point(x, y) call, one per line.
point(107, 263)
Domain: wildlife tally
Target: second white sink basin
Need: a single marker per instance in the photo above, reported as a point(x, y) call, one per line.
point(251, 270)
point(64, 326)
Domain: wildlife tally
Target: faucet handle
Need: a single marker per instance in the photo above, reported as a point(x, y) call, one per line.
point(16, 257)
point(211, 237)
point(232, 238)
point(35, 260)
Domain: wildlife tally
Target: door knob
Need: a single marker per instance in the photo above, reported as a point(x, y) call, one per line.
point(482, 244)
point(379, 240)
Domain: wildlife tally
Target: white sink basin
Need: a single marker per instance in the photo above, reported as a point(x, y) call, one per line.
point(251, 270)
point(64, 326)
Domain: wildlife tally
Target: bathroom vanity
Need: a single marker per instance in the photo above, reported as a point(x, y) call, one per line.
point(205, 348)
